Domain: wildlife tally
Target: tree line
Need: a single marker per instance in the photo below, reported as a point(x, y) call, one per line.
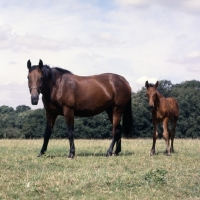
point(23, 122)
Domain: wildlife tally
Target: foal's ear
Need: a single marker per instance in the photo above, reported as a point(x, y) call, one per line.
point(40, 64)
point(156, 85)
point(146, 84)
point(29, 64)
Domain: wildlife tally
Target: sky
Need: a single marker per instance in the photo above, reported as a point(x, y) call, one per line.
point(138, 39)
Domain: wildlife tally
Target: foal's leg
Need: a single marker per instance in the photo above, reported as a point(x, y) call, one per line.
point(69, 117)
point(174, 122)
point(155, 136)
point(47, 134)
point(166, 135)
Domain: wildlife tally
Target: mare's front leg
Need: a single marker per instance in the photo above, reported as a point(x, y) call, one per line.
point(155, 136)
point(47, 134)
point(69, 117)
point(166, 135)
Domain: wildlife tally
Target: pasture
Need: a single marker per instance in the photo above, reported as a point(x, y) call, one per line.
point(90, 175)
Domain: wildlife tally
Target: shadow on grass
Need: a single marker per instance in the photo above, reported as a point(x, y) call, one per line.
point(164, 153)
point(86, 154)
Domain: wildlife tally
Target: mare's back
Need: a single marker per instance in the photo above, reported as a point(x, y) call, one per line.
point(93, 94)
point(107, 82)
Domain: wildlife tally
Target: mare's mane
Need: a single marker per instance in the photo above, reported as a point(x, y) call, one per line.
point(62, 71)
point(48, 73)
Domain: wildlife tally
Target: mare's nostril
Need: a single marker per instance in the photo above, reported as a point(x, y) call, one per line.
point(34, 100)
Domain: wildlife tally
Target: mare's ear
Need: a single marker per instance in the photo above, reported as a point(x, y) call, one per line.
point(156, 85)
point(29, 64)
point(40, 64)
point(146, 84)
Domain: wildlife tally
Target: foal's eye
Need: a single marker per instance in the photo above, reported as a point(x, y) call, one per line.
point(41, 78)
point(28, 77)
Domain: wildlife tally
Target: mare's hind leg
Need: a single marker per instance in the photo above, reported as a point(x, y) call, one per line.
point(69, 117)
point(166, 135)
point(155, 136)
point(174, 122)
point(116, 131)
point(118, 140)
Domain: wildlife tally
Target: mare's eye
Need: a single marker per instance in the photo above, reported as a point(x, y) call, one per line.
point(28, 77)
point(41, 78)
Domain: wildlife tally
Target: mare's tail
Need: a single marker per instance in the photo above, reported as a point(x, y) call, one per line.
point(127, 124)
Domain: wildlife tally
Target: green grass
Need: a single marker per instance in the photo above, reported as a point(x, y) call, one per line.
point(132, 175)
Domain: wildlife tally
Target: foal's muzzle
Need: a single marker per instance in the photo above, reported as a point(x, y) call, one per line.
point(34, 100)
point(151, 106)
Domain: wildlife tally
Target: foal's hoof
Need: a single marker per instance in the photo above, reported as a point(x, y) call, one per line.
point(172, 150)
point(40, 154)
point(168, 152)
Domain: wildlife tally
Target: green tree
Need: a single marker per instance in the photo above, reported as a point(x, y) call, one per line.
point(26, 123)
point(22, 108)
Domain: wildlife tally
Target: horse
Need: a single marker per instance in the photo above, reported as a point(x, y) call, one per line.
point(163, 110)
point(69, 95)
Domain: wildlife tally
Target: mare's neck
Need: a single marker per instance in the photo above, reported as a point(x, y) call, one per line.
point(48, 84)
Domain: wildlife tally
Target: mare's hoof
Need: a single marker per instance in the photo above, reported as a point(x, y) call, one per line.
point(115, 154)
point(152, 153)
point(71, 156)
point(40, 154)
point(108, 154)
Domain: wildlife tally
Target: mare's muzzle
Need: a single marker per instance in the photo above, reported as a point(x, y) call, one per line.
point(34, 100)
point(34, 95)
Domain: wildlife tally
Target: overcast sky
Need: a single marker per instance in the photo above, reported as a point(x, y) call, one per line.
point(139, 39)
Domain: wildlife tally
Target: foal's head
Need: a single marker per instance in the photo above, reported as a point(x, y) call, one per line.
point(151, 93)
point(35, 81)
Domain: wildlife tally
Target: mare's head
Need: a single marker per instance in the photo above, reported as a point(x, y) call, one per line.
point(35, 79)
point(151, 93)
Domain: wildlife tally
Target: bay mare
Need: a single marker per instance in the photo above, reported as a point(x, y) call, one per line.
point(64, 93)
point(163, 110)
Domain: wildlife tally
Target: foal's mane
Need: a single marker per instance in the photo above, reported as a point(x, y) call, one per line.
point(157, 89)
point(151, 85)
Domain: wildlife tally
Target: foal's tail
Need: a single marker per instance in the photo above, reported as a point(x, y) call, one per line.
point(127, 124)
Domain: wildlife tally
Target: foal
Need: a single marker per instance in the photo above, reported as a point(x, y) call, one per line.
point(163, 110)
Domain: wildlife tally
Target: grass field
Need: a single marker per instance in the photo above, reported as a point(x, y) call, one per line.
point(132, 175)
